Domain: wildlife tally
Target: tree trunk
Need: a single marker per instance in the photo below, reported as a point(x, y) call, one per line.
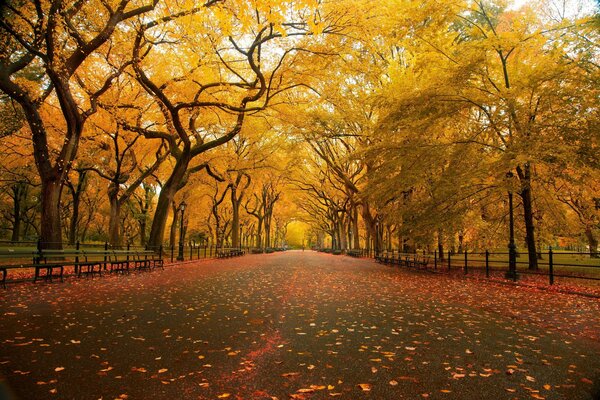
point(114, 222)
point(526, 196)
point(267, 233)
point(76, 192)
point(355, 231)
point(259, 230)
point(143, 218)
point(50, 232)
point(173, 229)
point(235, 219)
point(167, 194)
point(440, 245)
point(592, 242)
point(19, 196)
point(369, 225)
point(74, 219)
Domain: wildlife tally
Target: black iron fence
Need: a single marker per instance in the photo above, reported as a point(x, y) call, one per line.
point(551, 265)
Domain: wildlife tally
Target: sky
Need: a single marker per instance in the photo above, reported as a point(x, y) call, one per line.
point(572, 6)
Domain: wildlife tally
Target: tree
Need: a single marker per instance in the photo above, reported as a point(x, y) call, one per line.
point(504, 75)
point(45, 44)
point(205, 98)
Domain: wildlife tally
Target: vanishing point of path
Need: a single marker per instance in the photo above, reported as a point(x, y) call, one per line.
point(298, 325)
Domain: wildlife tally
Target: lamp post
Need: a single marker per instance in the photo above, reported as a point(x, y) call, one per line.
point(512, 248)
point(180, 253)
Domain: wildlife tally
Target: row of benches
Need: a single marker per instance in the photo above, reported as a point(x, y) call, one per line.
point(227, 253)
point(356, 253)
point(403, 259)
point(84, 262)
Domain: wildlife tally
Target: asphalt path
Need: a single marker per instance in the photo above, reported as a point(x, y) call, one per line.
point(300, 325)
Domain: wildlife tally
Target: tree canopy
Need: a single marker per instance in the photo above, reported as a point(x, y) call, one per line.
point(363, 124)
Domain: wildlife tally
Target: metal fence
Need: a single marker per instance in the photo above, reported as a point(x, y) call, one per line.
point(552, 265)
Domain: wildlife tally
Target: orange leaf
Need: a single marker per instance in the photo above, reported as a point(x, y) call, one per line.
point(365, 386)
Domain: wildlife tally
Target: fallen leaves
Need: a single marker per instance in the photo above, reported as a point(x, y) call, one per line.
point(365, 387)
point(396, 338)
point(58, 369)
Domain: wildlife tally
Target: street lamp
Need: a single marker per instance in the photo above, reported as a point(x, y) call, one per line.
point(180, 253)
point(512, 248)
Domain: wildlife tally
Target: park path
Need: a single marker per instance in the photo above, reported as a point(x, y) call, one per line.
point(299, 325)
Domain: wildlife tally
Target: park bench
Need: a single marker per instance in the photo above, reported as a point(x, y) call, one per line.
point(84, 262)
point(355, 253)
point(227, 253)
point(385, 257)
point(147, 259)
point(17, 258)
point(50, 263)
point(88, 262)
point(418, 261)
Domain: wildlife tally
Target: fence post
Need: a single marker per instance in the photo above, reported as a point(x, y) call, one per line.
point(435, 259)
point(466, 270)
point(205, 246)
point(128, 248)
point(191, 254)
point(487, 264)
point(551, 266)
point(172, 251)
point(449, 254)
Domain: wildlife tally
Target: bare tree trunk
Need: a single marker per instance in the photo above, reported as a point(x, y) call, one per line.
point(50, 231)
point(526, 196)
point(440, 245)
point(173, 229)
point(369, 225)
point(592, 242)
point(19, 195)
point(167, 194)
point(235, 219)
point(114, 222)
point(355, 231)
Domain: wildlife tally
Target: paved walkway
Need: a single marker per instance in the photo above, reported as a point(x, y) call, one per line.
point(298, 325)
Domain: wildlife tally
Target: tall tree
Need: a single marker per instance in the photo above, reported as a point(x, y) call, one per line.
point(214, 80)
point(48, 40)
